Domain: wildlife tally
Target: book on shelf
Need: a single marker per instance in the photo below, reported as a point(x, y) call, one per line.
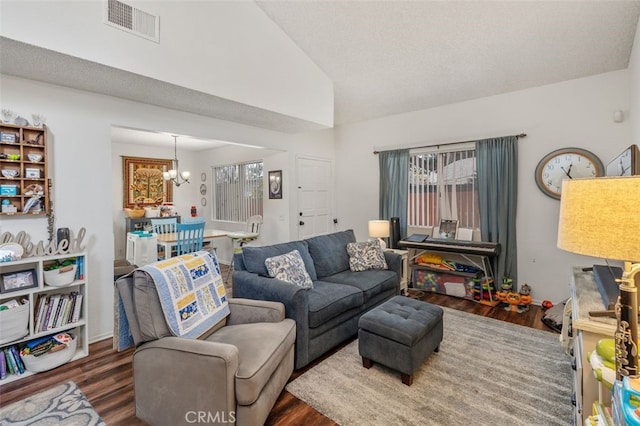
point(72, 306)
point(11, 362)
point(10, 369)
point(16, 356)
point(56, 315)
point(77, 308)
point(51, 311)
point(40, 310)
point(60, 312)
point(81, 267)
point(3, 366)
point(68, 301)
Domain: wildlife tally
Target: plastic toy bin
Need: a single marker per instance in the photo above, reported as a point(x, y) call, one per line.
point(443, 283)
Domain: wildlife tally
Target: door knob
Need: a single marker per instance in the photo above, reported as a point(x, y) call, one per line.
point(301, 223)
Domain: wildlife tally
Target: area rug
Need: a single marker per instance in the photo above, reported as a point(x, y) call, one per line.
point(488, 372)
point(61, 405)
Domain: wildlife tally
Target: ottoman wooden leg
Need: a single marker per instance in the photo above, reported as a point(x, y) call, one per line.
point(407, 379)
point(366, 362)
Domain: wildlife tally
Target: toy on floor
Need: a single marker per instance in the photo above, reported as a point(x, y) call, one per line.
point(515, 301)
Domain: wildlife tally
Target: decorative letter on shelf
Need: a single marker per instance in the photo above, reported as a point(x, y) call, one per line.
point(52, 248)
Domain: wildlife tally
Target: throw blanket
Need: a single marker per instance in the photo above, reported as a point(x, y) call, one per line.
point(191, 293)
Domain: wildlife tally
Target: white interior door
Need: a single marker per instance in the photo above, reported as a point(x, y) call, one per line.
point(314, 197)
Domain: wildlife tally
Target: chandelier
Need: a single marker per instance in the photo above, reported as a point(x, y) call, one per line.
point(174, 175)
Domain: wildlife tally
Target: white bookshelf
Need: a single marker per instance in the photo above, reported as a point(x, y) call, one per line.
point(78, 328)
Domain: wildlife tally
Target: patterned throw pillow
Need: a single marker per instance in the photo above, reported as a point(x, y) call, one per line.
point(366, 255)
point(289, 267)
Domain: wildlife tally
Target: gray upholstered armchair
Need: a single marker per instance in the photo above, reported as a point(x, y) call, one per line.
point(233, 375)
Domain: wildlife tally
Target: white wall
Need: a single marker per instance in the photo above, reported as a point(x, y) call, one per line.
point(573, 113)
point(222, 48)
point(85, 170)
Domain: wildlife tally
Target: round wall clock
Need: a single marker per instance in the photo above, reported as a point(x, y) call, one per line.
point(203, 189)
point(203, 176)
point(203, 201)
point(566, 163)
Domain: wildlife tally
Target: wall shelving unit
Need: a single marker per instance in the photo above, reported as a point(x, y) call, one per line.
point(36, 295)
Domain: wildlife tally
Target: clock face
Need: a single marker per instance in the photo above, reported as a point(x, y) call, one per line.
point(624, 164)
point(566, 163)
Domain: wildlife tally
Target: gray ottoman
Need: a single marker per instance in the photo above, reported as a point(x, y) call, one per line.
point(400, 334)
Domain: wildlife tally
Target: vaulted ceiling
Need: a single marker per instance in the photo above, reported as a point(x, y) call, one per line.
point(391, 57)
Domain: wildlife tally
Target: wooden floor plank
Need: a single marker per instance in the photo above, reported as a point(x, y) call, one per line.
point(105, 376)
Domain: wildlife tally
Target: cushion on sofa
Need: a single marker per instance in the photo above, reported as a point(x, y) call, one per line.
point(329, 252)
point(254, 257)
point(261, 348)
point(328, 300)
point(366, 255)
point(289, 267)
point(371, 282)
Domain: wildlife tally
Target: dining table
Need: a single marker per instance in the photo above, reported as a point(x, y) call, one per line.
point(170, 240)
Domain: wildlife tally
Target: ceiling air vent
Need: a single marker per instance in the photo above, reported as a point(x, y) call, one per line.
point(132, 20)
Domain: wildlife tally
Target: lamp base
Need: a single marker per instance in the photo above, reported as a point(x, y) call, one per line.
point(626, 336)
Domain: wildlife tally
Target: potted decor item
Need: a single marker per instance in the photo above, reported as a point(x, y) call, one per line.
point(60, 273)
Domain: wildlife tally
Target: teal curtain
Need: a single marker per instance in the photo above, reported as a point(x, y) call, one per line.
point(394, 186)
point(497, 166)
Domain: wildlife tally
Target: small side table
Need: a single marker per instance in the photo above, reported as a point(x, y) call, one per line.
point(404, 254)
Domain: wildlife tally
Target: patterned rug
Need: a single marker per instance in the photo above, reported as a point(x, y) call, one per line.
point(488, 372)
point(61, 405)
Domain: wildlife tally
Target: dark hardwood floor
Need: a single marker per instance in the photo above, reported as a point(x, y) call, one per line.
point(105, 376)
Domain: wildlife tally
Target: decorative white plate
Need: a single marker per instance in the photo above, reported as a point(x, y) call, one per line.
point(16, 249)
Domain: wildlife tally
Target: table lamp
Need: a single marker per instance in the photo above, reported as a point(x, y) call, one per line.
point(379, 229)
point(599, 217)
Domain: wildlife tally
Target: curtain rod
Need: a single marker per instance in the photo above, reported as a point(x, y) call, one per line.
point(521, 135)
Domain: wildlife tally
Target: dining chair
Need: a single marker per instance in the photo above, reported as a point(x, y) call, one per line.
point(238, 239)
point(190, 237)
point(165, 225)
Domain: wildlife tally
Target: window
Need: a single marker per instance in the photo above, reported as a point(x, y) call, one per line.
point(237, 191)
point(443, 185)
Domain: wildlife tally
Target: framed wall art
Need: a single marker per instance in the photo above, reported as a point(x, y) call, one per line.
point(143, 181)
point(16, 281)
point(275, 184)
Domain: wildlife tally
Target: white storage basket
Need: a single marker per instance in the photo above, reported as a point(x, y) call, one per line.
point(14, 323)
point(50, 360)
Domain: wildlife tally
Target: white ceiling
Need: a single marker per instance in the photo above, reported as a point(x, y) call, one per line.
point(164, 140)
point(390, 57)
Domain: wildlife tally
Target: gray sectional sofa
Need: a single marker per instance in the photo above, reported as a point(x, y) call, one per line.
point(327, 314)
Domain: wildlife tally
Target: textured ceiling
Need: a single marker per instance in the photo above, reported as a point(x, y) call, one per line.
point(391, 57)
